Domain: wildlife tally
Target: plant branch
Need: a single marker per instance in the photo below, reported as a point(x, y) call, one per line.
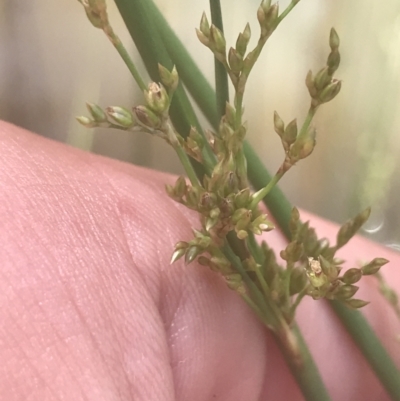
point(221, 76)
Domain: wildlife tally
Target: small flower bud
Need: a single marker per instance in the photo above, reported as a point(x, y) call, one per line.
point(218, 40)
point(230, 114)
point(334, 40)
point(348, 230)
point(235, 61)
point(192, 253)
point(310, 84)
point(290, 134)
point(96, 112)
point(298, 280)
point(242, 199)
point(157, 98)
point(169, 79)
point(243, 40)
point(345, 292)
point(204, 25)
point(352, 276)
point(177, 255)
point(373, 266)
point(86, 122)
point(278, 124)
point(270, 18)
point(234, 282)
point(96, 11)
point(322, 79)
point(242, 234)
point(203, 38)
point(121, 116)
point(356, 303)
point(333, 61)
point(303, 146)
point(147, 117)
point(330, 92)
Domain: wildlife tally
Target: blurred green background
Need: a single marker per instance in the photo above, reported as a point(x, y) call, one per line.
point(53, 61)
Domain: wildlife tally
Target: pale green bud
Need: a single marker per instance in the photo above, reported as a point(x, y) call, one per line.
point(330, 92)
point(203, 38)
point(96, 112)
point(157, 98)
point(121, 116)
point(348, 230)
point(169, 79)
point(218, 40)
point(204, 25)
point(290, 134)
point(345, 292)
point(310, 84)
point(322, 79)
point(356, 303)
point(86, 122)
point(243, 40)
point(235, 61)
point(334, 40)
point(279, 125)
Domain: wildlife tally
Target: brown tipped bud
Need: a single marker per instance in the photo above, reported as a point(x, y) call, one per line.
point(352, 276)
point(373, 266)
point(265, 5)
point(242, 41)
point(261, 15)
point(279, 125)
point(177, 255)
point(96, 11)
point(204, 25)
point(356, 303)
point(157, 98)
point(334, 40)
point(271, 17)
point(121, 116)
point(235, 61)
point(96, 112)
point(330, 92)
point(147, 117)
point(169, 79)
point(202, 38)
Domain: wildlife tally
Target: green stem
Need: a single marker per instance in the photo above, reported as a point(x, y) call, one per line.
point(117, 43)
point(371, 347)
point(307, 121)
point(287, 10)
point(263, 192)
point(221, 76)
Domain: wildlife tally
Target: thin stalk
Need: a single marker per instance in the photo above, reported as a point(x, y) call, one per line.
point(303, 368)
point(287, 10)
point(263, 192)
point(371, 347)
point(221, 76)
point(119, 46)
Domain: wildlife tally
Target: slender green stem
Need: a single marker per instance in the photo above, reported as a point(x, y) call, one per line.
point(255, 248)
point(263, 283)
point(371, 347)
point(116, 41)
point(221, 76)
point(287, 10)
point(187, 165)
point(297, 301)
point(307, 121)
point(262, 193)
point(255, 308)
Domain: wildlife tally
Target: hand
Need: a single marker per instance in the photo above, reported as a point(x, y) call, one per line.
point(91, 309)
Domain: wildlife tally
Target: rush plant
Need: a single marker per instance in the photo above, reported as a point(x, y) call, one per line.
point(222, 171)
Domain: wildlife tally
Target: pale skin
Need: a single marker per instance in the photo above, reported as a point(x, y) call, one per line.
point(91, 309)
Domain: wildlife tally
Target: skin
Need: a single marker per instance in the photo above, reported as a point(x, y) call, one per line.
point(91, 309)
